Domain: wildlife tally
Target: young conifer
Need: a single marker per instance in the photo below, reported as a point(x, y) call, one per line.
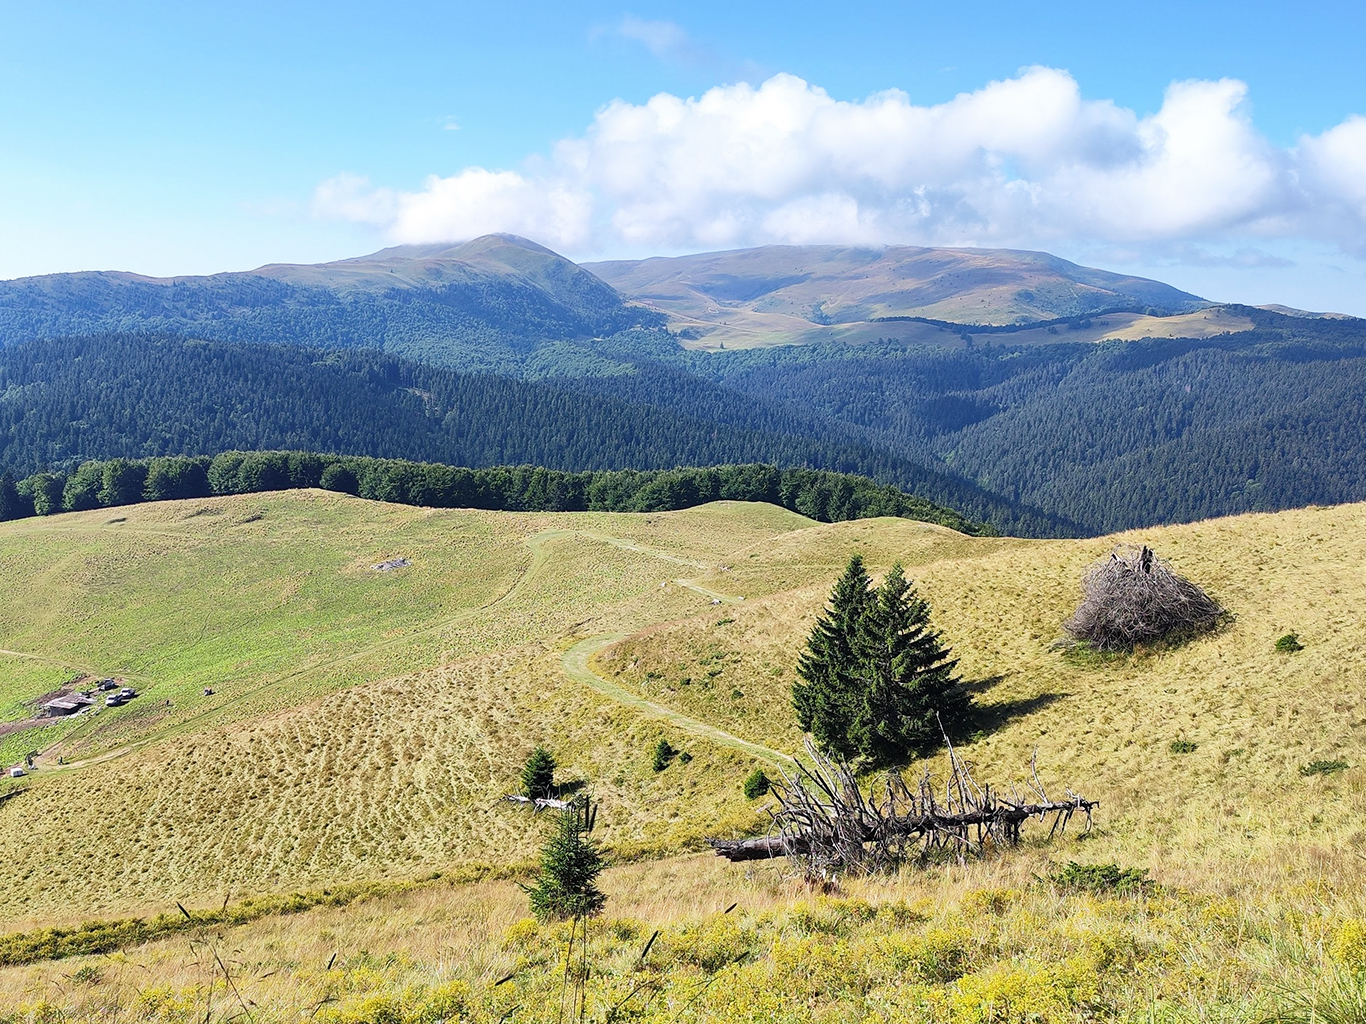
point(538, 774)
point(566, 886)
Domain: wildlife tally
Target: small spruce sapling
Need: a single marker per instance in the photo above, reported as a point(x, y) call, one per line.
point(567, 885)
point(538, 774)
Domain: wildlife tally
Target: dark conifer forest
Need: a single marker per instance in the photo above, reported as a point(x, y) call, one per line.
point(1054, 439)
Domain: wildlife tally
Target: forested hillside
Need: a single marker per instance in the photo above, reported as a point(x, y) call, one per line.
point(485, 305)
point(817, 494)
point(1111, 436)
point(1118, 435)
point(65, 401)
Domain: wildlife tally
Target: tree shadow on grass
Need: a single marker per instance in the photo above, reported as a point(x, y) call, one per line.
point(987, 717)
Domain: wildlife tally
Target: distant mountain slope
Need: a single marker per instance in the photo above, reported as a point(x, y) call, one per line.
point(787, 290)
point(63, 401)
point(1114, 436)
point(482, 305)
point(494, 304)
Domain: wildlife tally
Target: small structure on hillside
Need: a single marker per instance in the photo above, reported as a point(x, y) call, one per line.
point(68, 705)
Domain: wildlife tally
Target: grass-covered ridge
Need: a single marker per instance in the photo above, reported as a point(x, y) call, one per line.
point(366, 723)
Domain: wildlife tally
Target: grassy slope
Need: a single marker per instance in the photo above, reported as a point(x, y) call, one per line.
point(402, 776)
point(1257, 715)
point(285, 776)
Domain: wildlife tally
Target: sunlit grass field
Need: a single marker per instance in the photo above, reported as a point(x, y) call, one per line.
point(365, 725)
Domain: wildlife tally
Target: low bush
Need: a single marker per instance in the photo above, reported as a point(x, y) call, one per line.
point(1102, 878)
point(1322, 767)
point(663, 755)
point(1289, 643)
point(1183, 747)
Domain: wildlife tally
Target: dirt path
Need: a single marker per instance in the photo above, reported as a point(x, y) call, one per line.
point(575, 664)
point(575, 661)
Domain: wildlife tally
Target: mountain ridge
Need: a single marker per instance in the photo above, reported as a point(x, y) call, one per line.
point(789, 290)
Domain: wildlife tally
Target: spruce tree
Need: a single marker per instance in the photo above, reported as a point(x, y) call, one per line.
point(824, 699)
point(874, 675)
point(538, 774)
point(566, 886)
point(10, 504)
point(905, 675)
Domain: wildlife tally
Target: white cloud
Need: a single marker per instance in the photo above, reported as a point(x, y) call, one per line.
point(1025, 161)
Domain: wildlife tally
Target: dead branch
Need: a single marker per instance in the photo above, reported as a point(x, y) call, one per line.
point(540, 803)
point(824, 820)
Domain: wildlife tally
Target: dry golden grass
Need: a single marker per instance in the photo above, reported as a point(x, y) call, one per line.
point(308, 780)
point(289, 777)
point(981, 943)
point(1257, 715)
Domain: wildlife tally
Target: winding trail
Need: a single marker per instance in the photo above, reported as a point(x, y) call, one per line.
point(575, 661)
point(576, 667)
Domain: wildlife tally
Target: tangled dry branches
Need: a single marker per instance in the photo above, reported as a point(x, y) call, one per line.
point(826, 822)
point(1133, 597)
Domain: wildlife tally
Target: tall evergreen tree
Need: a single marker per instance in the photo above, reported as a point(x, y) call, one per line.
point(874, 675)
point(10, 505)
point(906, 676)
point(824, 699)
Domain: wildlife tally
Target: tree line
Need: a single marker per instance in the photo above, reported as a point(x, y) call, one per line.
point(818, 494)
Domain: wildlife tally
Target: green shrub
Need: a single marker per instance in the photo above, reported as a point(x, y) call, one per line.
point(538, 774)
point(1289, 643)
point(663, 755)
point(1102, 878)
point(756, 785)
point(1183, 747)
point(1322, 767)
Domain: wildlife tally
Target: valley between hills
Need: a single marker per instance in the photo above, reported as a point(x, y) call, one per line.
point(365, 725)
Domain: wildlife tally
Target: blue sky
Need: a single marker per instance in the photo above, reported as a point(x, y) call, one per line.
point(1219, 147)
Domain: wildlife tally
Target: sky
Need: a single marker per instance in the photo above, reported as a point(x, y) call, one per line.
point(1219, 147)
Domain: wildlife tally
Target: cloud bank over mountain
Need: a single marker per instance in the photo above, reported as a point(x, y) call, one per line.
point(1022, 162)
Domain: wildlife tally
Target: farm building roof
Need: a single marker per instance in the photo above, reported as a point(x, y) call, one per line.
point(69, 703)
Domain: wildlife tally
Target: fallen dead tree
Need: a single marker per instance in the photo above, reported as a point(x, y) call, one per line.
point(540, 803)
point(826, 822)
